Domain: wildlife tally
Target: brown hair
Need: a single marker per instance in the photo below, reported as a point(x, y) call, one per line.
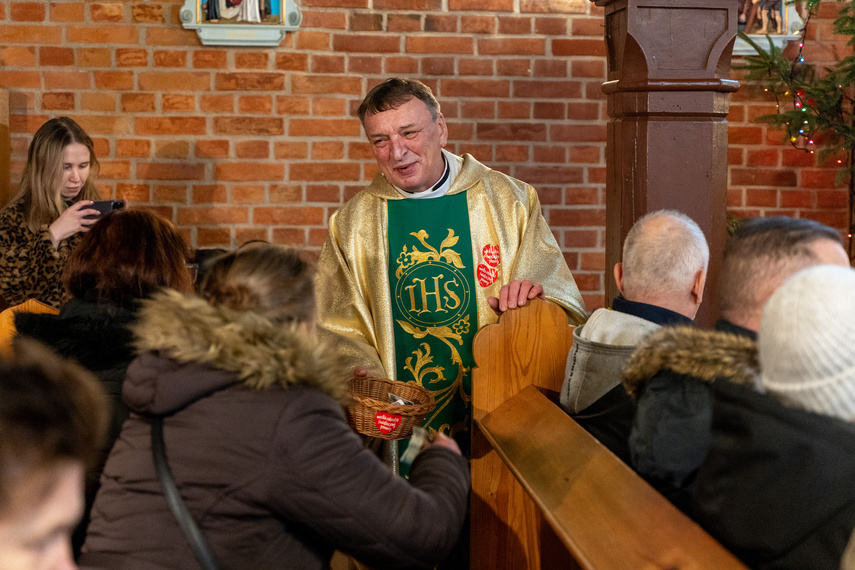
point(265, 279)
point(393, 93)
point(40, 189)
point(51, 410)
point(760, 253)
point(128, 255)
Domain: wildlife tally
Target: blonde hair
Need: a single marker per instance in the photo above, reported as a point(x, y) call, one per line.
point(264, 279)
point(40, 190)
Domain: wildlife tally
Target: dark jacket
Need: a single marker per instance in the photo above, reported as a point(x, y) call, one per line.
point(776, 488)
point(98, 337)
point(263, 456)
point(670, 375)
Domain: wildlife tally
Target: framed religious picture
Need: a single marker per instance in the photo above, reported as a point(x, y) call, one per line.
point(241, 22)
point(780, 20)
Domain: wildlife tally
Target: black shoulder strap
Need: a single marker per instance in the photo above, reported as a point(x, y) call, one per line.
point(173, 497)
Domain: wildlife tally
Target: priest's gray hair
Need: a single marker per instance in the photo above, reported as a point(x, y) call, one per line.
point(662, 253)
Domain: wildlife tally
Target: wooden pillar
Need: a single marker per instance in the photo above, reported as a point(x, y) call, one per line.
point(5, 149)
point(668, 95)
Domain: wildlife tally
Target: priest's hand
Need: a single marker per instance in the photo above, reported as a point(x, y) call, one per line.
point(515, 294)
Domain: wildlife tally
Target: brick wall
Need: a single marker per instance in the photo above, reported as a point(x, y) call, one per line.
point(253, 143)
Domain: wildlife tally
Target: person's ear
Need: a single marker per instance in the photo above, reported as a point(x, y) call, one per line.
point(619, 277)
point(698, 286)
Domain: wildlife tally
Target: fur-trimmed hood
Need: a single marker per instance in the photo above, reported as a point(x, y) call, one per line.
point(258, 353)
point(705, 355)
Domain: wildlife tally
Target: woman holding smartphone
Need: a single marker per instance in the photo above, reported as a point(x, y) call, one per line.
point(43, 222)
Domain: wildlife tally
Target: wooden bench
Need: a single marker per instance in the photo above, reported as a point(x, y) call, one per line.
point(545, 493)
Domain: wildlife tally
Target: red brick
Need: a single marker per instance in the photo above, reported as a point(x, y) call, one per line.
point(324, 128)
point(513, 67)
point(255, 104)
point(107, 12)
point(292, 105)
point(21, 79)
point(200, 215)
point(114, 80)
point(138, 102)
point(93, 57)
point(763, 157)
point(23, 34)
point(133, 192)
point(588, 281)
point(170, 126)
point(323, 193)
point(18, 56)
point(328, 106)
point(440, 23)
point(587, 27)
point(210, 194)
point(317, 236)
point(761, 198)
point(736, 156)
point(212, 148)
point(577, 217)
point(366, 43)
point(132, 148)
point(327, 64)
point(482, 5)
point(72, 12)
point(284, 215)
point(477, 25)
point(438, 66)
point(588, 68)
point(514, 110)
point(583, 196)
point(329, 20)
point(170, 194)
point(27, 12)
point(292, 61)
point(578, 47)
point(112, 35)
point(290, 150)
point(147, 13)
point(475, 88)
point(549, 110)
point(98, 101)
point(511, 46)
point(813, 178)
point(248, 171)
point(475, 66)
point(56, 56)
point(762, 177)
point(578, 133)
point(580, 154)
point(249, 125)
point(289, 236)
point(208, 58)
point(420, 5)
point(218, 103)
point(327, 150)
point(170, 59)
point(319, 41)
point(404, 23)
point(178, 102)
point(247, 194)
point(249, 81)
point(243, 235)
point(551, 26)
point(67, 80)
point(166, 81)
point(365, 65)
point(439, 44)
point(340, 3)
point(170, 171)
point(172, 149)
point(251, 60)
point(322, 171)
point(548, 89)
point(211, 237)
point(366, 22)
point(169, 36)
point(402, 64)
point(252, 149)
point(515, 25)
point(58, 101)
point(285, 193)
point(512, 153)
point(508, 131)
point(832, 198)
point(131, 57)
point(114, 169)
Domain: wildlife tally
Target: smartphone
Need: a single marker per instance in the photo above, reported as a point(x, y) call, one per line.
point(103, 207)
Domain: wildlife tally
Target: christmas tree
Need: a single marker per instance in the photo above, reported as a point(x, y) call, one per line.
point(816, 108)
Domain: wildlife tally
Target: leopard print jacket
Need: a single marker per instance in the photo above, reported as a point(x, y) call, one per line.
point(30, 266)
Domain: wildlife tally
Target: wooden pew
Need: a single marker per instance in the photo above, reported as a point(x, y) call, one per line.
point(545, 493)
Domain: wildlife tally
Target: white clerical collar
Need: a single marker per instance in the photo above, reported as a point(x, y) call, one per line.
point(442, 185)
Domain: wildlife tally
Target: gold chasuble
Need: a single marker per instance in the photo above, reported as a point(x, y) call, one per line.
point(394, 275)
point(432, 279)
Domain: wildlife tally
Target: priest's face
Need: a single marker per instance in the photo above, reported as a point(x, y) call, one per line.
point(407, 143)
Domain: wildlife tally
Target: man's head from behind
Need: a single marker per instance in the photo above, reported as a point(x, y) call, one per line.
point(53, 417)
point(762, 253)
point(665, 259)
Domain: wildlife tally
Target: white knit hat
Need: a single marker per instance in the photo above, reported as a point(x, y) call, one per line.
point(806, 342)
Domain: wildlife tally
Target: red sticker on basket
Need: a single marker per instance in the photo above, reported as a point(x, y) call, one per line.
point(386, 422)
point(487, 275)
point(491, 255)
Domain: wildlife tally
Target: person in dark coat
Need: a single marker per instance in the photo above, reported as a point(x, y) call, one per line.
point(776, 488)
point(125, 257)
point(670, 374)
point(257, 440)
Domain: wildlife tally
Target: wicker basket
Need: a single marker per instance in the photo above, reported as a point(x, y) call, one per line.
point(372, 414)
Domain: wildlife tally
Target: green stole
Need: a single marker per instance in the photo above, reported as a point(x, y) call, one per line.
point(432, 280)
